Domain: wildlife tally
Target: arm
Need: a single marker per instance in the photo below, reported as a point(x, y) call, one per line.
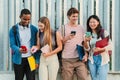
point(37, 46)
point(69, 37)
point(59, 46)
point(86, 43)
point(34, 39)
point(100, 50)
point(59, 43)
point(14, 47)
point(109, 47)
point(66, 38)
point(86, 48)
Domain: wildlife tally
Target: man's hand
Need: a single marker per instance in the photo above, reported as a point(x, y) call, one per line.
point(23, 51)
point(85, 57)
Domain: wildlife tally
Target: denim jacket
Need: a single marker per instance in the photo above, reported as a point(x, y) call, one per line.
point(15, 44)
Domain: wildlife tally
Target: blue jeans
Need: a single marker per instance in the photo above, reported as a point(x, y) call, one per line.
point(97, 71)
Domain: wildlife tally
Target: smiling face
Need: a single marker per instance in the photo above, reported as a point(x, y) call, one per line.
point(73, 18)
point(93, 23)
point(41, 26)
point(25, 19)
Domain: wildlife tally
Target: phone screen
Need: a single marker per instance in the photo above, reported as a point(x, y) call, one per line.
point(73, 32)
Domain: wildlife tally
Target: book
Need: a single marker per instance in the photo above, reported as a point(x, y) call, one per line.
point(45, 49)
point(31, 61)
point(80, 51)
point(101, 44)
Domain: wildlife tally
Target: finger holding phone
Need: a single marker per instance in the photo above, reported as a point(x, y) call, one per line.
point(23, 49)
point(88, 36)
point(72, 34)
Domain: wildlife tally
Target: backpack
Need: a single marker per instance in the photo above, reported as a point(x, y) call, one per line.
point(102, 33)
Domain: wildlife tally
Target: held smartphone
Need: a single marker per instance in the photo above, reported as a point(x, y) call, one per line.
point(73, 32)
point(24, 48)
point(88, 34)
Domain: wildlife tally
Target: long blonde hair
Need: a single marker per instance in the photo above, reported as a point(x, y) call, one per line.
point(47, 38)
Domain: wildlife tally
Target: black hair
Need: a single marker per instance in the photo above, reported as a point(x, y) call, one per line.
point(98, 28)
point(25, 11)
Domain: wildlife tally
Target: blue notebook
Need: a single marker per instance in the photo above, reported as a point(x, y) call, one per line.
point(81, 52)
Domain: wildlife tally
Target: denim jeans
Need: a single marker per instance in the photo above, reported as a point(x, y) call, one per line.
point(97, 71)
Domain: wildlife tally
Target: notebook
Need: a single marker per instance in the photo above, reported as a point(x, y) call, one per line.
point(45, 49)
point(80, 51)
point(31, 61)
point(101, 43)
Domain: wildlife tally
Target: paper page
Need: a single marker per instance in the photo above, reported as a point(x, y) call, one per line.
point(45, 49)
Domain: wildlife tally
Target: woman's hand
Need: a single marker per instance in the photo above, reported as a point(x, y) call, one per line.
point(87, 39)
point(46, 54)
point(34, 49)
point(85, 43)
point(99, 50)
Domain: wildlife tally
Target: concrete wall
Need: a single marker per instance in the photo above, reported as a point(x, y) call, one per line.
point(55, 10)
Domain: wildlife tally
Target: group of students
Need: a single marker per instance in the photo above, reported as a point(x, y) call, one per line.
point(47, 63)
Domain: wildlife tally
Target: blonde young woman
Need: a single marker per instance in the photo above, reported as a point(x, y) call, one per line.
point(49, 64)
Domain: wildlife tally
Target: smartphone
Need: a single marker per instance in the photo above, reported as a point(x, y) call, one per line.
point(88, 34)
point(73, 32)
point(24, 48)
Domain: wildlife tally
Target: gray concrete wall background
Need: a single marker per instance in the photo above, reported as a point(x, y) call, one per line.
point(10, 10)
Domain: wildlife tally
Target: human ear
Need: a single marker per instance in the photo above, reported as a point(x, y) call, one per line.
point(68, 17)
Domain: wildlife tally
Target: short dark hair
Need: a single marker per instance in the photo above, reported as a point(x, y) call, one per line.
point(72, 11)
point(25, 11)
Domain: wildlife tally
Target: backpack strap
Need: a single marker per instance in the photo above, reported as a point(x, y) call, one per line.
point(102, 35)
point(63, 30)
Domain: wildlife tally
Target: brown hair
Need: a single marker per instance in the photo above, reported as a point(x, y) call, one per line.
point(47, 31)
point(72, 11)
